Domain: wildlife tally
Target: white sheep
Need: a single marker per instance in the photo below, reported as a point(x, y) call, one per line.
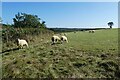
point(91, 31)
point(55, 39)
point(22, 42)
point(64, 38)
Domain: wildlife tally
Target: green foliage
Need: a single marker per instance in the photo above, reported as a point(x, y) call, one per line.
point(11, 34)
point(27, 20)
point(110, 24)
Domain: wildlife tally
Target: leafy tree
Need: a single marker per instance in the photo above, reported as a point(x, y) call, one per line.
point(110, 24)
point(43, 24)
point(18, 20)
point(27, 20)
point(31, 20)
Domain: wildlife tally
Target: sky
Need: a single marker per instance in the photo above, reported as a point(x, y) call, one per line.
point(60, 0)
point(65, 14)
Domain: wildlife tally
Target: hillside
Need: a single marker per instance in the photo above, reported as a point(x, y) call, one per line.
point(86, 55)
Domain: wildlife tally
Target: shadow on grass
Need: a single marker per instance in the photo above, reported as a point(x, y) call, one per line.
point(14, 49)
point(56, 43)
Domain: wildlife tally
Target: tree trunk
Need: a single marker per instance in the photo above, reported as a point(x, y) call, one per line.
point(110, 27)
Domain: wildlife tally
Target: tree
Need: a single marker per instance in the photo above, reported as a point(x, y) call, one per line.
point(0, 20)
point(18, 20)
point(43, 24)
point(31, 20)
point(110, 24)
point(26, 20)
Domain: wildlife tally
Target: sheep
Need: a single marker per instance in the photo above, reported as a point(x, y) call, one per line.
point(22, 42)
point(55, 39)
point(91, 31)
point(64, 38)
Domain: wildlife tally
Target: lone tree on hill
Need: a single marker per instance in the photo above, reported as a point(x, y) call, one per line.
point(110, 24)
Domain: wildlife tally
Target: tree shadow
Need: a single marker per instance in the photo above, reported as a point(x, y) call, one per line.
point(14, 49)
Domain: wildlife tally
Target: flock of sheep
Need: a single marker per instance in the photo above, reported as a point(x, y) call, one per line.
point(54, 39)
point(91, 31)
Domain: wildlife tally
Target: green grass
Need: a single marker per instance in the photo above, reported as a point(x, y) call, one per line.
point(101, 39)
point(87, 55)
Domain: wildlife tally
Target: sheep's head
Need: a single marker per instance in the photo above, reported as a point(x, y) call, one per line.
point(17, 41)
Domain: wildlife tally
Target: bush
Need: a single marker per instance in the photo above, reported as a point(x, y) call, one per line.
point(11, 34)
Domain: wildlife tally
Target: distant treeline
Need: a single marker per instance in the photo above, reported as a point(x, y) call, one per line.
point(73, 29)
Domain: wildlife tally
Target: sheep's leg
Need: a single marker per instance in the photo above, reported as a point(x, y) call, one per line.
point(53, 42)
point(27, 45)
point(19, 46)
point(61, 41)
point(56, 40)
point(66, 41)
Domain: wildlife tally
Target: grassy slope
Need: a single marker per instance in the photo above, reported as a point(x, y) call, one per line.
point(86, 55)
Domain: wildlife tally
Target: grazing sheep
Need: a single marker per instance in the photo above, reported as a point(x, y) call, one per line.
point(22, 42)
point(91, 31)
point(55, 39)
point(64, 38)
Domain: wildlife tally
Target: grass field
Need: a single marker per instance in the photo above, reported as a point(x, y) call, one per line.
point(86, 55)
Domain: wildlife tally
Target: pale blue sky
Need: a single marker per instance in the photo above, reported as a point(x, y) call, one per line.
point(59, 0)
point(65, 14)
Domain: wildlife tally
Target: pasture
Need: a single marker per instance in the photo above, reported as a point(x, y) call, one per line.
point(86, 55)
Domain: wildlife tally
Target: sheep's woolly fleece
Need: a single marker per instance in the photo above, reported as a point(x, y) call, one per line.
point(22, 42)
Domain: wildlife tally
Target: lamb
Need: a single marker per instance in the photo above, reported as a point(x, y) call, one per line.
point(64, 38)
point(55, 39)
point(22, 43)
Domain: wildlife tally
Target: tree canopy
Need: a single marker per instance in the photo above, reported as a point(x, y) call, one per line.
point(27, 20)
point(110, 24)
